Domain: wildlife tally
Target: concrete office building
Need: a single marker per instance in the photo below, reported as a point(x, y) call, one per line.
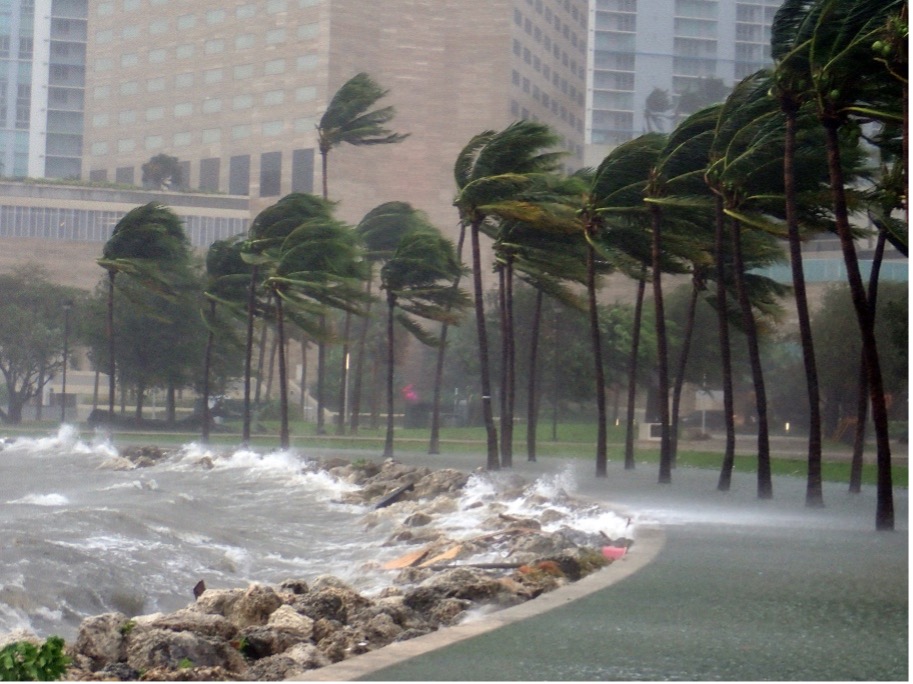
point(42, 76)
point(235, 88)
point(637, 46)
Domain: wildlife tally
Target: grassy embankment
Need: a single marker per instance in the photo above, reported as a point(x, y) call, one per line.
point(573, 440)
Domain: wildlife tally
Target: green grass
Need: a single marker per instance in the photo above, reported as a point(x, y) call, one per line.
point(574, 440)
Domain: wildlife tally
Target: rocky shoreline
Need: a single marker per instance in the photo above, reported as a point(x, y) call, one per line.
point(274, 632)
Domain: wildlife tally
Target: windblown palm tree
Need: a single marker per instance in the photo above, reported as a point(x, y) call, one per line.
point(143, 245)
point(418, 279)
point(490, 173)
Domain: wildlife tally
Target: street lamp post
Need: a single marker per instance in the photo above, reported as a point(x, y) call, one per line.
point(67, 306)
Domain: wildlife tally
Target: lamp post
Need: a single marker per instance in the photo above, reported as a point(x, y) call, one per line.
point(67, 306)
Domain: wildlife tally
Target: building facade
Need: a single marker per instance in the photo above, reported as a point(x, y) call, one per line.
point(693, 48)
point(42, 79)
point(235, 88)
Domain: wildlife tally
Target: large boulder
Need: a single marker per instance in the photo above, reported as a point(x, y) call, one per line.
point(189, 620)
point(254, 606)
point(102, 639)
point(162, 648)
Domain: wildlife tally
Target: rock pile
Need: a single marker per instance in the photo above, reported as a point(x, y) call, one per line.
point(271, 633)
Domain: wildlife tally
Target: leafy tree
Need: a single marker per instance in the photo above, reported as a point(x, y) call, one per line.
point(655, 108)
point(418, 279)
point(144, 245)
point(163, 172)
point(31, 334)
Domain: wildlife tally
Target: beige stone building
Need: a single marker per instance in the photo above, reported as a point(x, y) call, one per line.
point(235, 88)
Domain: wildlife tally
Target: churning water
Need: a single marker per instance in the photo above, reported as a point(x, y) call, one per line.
point(82, 536)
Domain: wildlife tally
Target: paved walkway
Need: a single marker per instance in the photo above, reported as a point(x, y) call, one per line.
point(719, 586)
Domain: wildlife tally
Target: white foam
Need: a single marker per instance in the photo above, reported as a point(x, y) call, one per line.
point(42, 500)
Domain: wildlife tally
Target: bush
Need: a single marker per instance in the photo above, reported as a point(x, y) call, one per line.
point(23, 661)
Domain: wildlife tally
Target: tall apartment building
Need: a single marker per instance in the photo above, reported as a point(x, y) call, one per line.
point(42, 76)
point(235, 88)
point(677, 46)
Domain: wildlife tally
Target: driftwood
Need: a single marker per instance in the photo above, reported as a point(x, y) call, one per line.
point(394, 497)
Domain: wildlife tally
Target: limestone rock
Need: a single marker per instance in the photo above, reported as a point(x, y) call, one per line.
point(101, 639)
point(162, 648)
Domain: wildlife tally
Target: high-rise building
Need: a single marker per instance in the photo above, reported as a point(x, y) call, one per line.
point(647, 58)
point(42, 76)
point(234, 89)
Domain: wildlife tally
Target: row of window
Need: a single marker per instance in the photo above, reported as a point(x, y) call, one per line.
point(239, 174)
point(109, 7)
point(549, 102)
point(521, 112)
point(544, 10)
point(93, 225)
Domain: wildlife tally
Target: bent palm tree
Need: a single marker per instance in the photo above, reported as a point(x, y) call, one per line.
point(418, 279)
point(146, 239)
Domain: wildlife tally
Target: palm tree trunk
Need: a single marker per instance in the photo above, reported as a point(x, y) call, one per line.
point(532, 398)
point(862, 396)
point(814, 496)
point(140, 395)
point(484, 368)
point(884, 514)
point(207, 362)
point(111, 365)
point(344, 376)
point(725, 479)
point(304, 374)
point(388, 440)
point(272, 367)
point(502, 395)
point(360, 364)
point(323, 170)
point(598, 370)
point(632, 370)
point(261, 362)
point(283, 376)
point(321, 374)
point(507, 453)
point(249, 353)
point(665, 451)
point(434, 443)
point(683, 362)
point(556, 372)
point(765, 485)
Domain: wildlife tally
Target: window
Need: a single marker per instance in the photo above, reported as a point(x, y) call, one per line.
point(186, 21)
point(240, 131)
point(130, 32)
point(274, 97)
point(155, 84)
point(302, 170)
point(243, 71)
point(273, 128)
point(183, 80)
point(245, 101)
point(246, 11)
point(209, 173)
point(214, 46)
point(308, 31)
point(182, 139)
point(244, 41)
point(126, 145)
point(212, 105)
point(183, 109)
point(306, 62)
point(130, 59)
point(129, 88)
point(215, 16)
point(158, 27)
point(274, 66)
point(211, 76)
point(157, 56)
point(270, 174)
point(211, 135)
point(100, 120)
point(154, 142)
point(275, 36)
point(275, 6)
point(126, 117)
point(105, 36)
point(239, 175)
point(305, 94)
point(155, 113)
point(184, 51)
point(99, 148)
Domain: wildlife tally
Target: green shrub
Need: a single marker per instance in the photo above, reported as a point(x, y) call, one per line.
point(23, 661)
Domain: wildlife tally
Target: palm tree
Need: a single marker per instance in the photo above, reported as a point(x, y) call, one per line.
point(317, 266)
point(614, 198)
point(350, 119)
point(228, 274)
point(380, 231)
point(418, 279)
point(489, 172)
point(146, 240)
point(838, 48)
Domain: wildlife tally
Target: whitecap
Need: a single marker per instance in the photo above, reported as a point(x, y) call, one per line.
point(42, 500)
